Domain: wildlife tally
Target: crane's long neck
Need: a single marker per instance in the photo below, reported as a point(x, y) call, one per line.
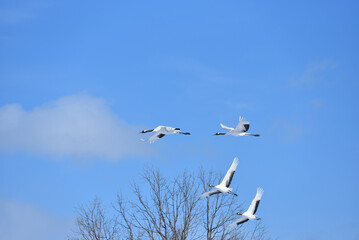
point(146, 131)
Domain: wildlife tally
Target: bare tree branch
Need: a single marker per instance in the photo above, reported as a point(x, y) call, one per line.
point(93, 223)
point(168, 208)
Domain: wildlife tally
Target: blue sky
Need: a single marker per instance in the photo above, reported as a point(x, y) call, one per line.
point(79, 79)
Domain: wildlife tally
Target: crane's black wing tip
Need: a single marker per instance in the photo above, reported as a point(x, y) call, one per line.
point(161, 135)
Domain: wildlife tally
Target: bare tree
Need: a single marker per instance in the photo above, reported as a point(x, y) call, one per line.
point(168, 213)
point(94, 224)
point(168, 208)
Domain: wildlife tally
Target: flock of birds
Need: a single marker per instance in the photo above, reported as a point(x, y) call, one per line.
point(223, 187)
point(161, 131)
point(240, 130)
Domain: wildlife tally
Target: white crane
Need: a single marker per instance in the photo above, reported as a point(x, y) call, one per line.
point(161, 131)
point(223, 187)
point(250, 213)
point(240, 130)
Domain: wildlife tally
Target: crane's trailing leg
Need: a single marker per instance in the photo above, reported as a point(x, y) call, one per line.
point(185, 133)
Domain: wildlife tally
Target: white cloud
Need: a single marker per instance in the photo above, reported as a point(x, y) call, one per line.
point(20, 220)
point(78, 125)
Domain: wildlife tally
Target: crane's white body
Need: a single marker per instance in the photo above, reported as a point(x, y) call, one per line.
point(165, 130)
point(161, 131)
point(240, 130)
point(223, 187)
point(250, 213)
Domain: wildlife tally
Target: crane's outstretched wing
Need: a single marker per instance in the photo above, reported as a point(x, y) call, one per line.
point(240, 220)
point(255, 202)
point(225, 127)
point(243, 125)
point(209, 193)
point(156, 136)
point(229, 176)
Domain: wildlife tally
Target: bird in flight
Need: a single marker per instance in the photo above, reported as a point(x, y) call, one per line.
point(240, 130)
point(223, 187)
point(162, 131)
point(250, 213)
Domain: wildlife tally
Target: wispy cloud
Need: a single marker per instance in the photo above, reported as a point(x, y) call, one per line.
point(77, 126)
point(285, 131)
point(15, 12)
point(198, 70)
point(237, 105)
point(313, 74)
point(20, 220)
point(13, 16)
point(316, 103)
